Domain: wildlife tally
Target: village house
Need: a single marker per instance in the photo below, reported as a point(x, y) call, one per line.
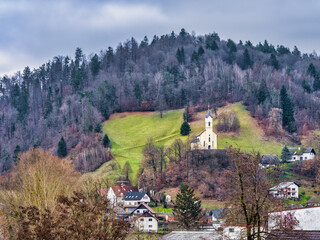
point(146, 222)
point(216, 217)
point(207, 139)
point(133, 199)
point(142, 208)
point(299, 154)
point(285, 190)
point(116, 193)
point(269, 160)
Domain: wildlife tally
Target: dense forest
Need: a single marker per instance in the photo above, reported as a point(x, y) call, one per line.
point(64, 101)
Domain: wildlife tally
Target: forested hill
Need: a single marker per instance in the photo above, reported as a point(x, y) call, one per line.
point(70, 97)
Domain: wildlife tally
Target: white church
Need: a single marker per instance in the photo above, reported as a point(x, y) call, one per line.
point(207, 139)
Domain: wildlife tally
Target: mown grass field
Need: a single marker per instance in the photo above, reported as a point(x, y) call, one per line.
point(129, 133)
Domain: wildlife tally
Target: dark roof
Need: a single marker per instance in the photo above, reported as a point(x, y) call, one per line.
point(132, 196)
point(195, 140)
point(200, 133)
point(294, 234)
point(300, 151)
point(270, 159)
point(143, 206)
point(208, 114)
point(217, 213)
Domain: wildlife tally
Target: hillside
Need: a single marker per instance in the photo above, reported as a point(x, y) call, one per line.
point(70, 97)
point(129, 132)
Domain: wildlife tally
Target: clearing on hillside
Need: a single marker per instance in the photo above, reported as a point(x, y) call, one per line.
point(129, 133)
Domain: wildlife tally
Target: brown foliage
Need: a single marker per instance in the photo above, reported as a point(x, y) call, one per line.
point(248, 193)
point(76, 217)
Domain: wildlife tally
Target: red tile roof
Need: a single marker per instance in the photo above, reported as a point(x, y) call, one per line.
point(123, 189)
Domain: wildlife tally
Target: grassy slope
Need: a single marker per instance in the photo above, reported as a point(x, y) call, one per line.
point(129, 132)
point(250, 137)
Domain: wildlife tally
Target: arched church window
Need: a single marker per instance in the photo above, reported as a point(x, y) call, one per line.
point(209, 124)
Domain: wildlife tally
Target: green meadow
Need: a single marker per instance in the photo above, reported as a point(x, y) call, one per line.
point(129, 133)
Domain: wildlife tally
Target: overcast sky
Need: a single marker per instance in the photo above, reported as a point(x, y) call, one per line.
point(33, 32)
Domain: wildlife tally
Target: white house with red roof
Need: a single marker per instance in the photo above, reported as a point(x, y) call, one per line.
point(116, 193)
point(207, 139)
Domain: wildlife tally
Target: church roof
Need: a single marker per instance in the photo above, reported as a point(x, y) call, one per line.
point(209, 114)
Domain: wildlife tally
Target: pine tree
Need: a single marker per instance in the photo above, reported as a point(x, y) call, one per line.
point(48, 104)
point(246, 59)
point(262, 92)
point(185, 129)
point(200, 51)
point(285, 155)
point(274, 62)
point(287, 110)
point(316, 82)
point(306, 86)
point(187, 209)
point(106, 141)
point(95, 65)
point(180, 55)
point(211, 42)
point(16, 153)
point(62, 148)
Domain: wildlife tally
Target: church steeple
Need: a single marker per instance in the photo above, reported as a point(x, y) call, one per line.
point(208, 120)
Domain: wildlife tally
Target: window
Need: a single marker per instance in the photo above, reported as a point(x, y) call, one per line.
point(231, 229)
point(293, 189)
point(209, 139)
point(305, 158)
point(209, 124)
point(150, 226)
point(204, 143)
point(150, 219)
point(141, 219)
point(138, 211)
point(294, 158)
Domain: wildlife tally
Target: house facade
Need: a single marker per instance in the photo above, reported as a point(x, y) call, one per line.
point(146, 222)
point(299, 154)
point(117, 193)
point(142, 208)
point(207, 139)
point(133, 199)
point(285, 190)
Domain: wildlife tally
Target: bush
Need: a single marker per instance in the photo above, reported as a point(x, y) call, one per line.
point(228, 123)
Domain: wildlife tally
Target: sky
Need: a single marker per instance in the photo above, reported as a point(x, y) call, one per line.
point(32, 32)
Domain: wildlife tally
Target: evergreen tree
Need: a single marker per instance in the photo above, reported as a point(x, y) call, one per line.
point(194, 57)
point(95, 65)
point(23, 105)
point(316, 82)
point(187, 209)
point(285, 155)
point(16, 153)
point(311, 71)
point(306, 86)
point(185, 129)
point(287, 110)
point(106, 141)
point(273, 61)
point(137, 91)
point(296, 52)
point(246, 59)
point(263, 92)
point(48, 104)
point(211, 41)
point(62, 148)
point(232, 46)
point(180, 55)
point(200, 51)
